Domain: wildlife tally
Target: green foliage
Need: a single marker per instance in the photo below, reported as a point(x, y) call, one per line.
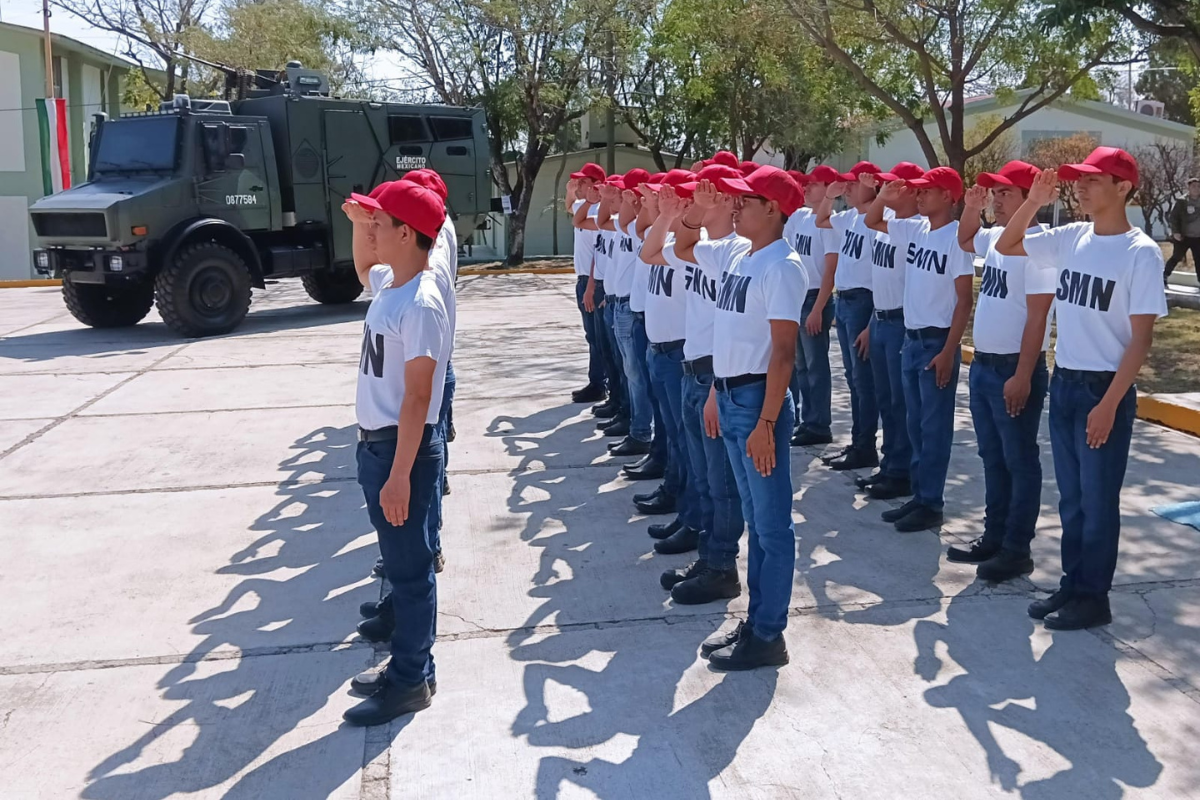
point(137, 94)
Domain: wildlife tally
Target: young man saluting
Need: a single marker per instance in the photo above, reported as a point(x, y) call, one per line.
point(1108, 279)
point(1008, 378)
point(937, 305)
point(754, 350)
point(407, 334)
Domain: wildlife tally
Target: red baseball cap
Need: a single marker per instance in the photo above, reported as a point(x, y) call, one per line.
point(904, 171)
point(724, 158)
point(656, 177)
point(674, 178)
point(414, 205)
point(1014, 173)
point(748, 166)
point(713, 172)
point(824, 174)
point(636, 177)
point(799, 177)
point(860, 168)
point(1103, 161)
point(430, 180)
point(940, 178)
point(769, 182)
point(592, 171)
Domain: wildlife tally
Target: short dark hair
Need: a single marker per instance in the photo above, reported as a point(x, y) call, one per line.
point(424, 242)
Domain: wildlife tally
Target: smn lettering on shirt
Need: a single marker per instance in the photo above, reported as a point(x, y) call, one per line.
point(883, 254)
point(372, 353)
point(733, 292)
point(661, 280)
point(803, 244)
point(626, 244)
point(1083, 289)
point(853, 245)
point(696, 281)
point(927, 259)
point(995, 282)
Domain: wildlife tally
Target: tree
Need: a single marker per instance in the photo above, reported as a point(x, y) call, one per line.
point(923, 60)
point(998, 152)
point(527, 62)
point(1053, 153)
point(1171, 79)
point(1171, 19)
point(1163, 170)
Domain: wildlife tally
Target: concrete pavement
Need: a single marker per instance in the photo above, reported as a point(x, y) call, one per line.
point(184, 550)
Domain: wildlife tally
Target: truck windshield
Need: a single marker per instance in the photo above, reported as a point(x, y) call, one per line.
point(131, 145)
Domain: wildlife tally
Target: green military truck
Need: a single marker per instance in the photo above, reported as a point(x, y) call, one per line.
point(191, 206)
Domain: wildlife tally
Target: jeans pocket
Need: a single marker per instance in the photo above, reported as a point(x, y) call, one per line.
point(747, 398)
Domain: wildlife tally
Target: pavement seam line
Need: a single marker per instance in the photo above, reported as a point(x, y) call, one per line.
point(1131, 652)
point(72, 414)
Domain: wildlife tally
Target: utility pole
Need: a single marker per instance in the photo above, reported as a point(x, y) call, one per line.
point(46, 47)
point(610, 121)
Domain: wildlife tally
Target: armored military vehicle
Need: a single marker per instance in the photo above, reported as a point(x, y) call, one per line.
point(191, 206)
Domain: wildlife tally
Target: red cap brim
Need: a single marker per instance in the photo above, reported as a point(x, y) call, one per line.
point(888, 177)
point(1072, 172)
point(848, 177)
point(366, 202)
point(734, 186)
point(990, 179)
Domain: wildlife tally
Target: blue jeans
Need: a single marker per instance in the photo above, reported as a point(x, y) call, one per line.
point(641, 351)
point(666, 374)
point(613, 368)
point(721, 521)
point(595, 357)
point(930, 416)
point(443, 426)
point(812, 383)
point(407, 553)
point(637, 375)
point(1091, 516)
point(854, 309)
point(1008, 446)
point(766, 505)
point(887, 340)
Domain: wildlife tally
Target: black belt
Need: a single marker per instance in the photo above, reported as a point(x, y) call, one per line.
point(698, 366)
point(388, 434)
point(725, 384)
point(812, 293)
point(624, 299)
point(889, 313)
point(611, 298)
point(1083, 375)
point(926, 333)
point(848, 293)
point(640, 316)
point(666, 347)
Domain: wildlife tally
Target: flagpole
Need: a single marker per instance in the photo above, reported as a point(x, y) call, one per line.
point(49, 57)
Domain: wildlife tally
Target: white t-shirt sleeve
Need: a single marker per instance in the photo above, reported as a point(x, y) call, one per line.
point(782, 284)
point(985, 239)
point(961, 262)
point(673, 260)
point(423, 330)
point(1048, 246)
point(575, 206)
point(842, 221)
point(829, 243)
point(903, 228)
point(380, 278)
point(1146, 292)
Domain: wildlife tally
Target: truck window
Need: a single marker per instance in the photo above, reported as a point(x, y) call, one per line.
point(129, 145)
point(452, 128)
point(403, 129)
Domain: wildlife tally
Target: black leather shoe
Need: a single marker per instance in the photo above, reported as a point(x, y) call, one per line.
point(976, 552)
point(662, 531)
point(388, 702)
point(630, 447)
point(723, 639)
point(872, 479)
point(649, 470)
point(893, 514)
point(684, 540)
point(919, 519)
point(1081, 611)
point(620, 427)
point(671, 577)
point(803, 438)
point(374, 608)
point(605, 410)
point(890, 488)
point(663, 504)
point(830, 457)
point(855, 459)
point(369, 681)
point(445, 487)
point(750, 652)
point(588, 394)
point(1039, 609)
point(605, 424)
point(439, 562)
point(379, 628)
point(647, 496)
point(451, 434)
point(641, 462)
point(1004, 566)
point(377, 570)
point(707, 586)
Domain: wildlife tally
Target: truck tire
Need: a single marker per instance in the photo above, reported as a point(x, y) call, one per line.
point(205, 291)
point(333, 286)
point(101, 306)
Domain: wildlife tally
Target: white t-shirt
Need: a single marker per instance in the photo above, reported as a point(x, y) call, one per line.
point(604, 250)
point(854, 240)
point(666, 298)
point(403, 323)
point(443, 265)
point(641, 279)
point(621, 271)
point(585, 241)
point(802, 233)
point(1098, 283)
point(932, 260)
point(701, 281)
point(1000, 311)
point(755, 289)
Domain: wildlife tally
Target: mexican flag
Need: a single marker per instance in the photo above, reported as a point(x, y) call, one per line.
point(56, 152)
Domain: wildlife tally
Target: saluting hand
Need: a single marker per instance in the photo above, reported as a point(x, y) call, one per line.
point(393, 499)
point(975, 200)
point(1045, 187)
point(869, 179)
point(670, 205)
point(356, 212)
point(593, 195)
point(706, 195)
point(893, 191)
point(836, 189)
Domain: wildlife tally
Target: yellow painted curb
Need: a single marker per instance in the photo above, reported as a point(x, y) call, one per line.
point(29, 284)
point(968, 354)
point(517, 271)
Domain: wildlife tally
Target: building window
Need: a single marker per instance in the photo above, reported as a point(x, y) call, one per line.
point(58, 76)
